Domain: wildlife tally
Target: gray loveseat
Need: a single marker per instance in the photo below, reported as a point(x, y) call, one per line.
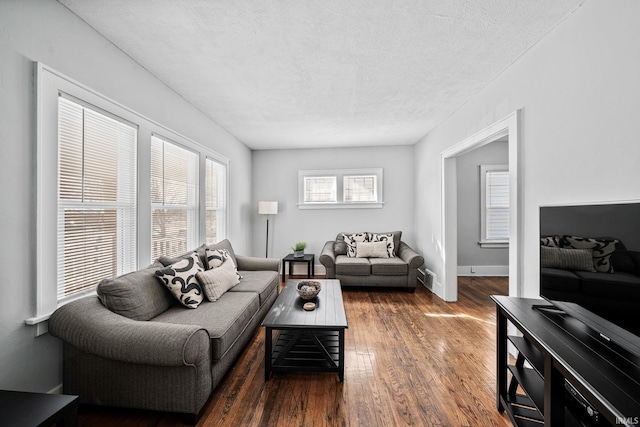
point(157, 354)
point(399, 268)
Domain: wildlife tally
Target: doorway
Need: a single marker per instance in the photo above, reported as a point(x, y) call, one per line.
point(505, 128)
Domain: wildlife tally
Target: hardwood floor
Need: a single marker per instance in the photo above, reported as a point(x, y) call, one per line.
point(411, 360)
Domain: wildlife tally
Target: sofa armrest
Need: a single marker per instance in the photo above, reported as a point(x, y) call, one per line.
point(411, 257)
point(328, 259)
point(91, 327)
point(249, 263)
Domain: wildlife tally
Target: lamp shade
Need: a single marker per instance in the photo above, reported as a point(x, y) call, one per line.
point(267, 208)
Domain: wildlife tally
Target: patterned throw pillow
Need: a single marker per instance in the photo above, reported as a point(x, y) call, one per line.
point(352, 242)
point(180, 279)
point(217, 257)
point(388, 238)
point(218, 280)
point(550, 241)
point(601, 250)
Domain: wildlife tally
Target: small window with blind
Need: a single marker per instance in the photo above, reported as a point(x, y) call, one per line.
point(174, 198)
point(494, 212)
point(340, 188)
point(96, 197)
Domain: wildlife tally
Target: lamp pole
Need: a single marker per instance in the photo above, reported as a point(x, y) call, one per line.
point(266, 247)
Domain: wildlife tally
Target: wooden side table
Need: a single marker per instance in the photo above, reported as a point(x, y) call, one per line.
point(308, 258)
point(19, 409)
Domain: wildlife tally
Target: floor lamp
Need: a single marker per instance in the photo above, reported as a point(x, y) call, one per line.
point(267, 208)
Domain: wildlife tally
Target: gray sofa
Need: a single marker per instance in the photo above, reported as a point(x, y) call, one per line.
point(398, 271)
point(157, 354)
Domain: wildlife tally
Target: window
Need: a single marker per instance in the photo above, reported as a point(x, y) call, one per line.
point(174, 199)
point(216, 201)
point(320, 189)
point(96, 197)
point(360, 188)
point(340, 188)
point(111, 191)
point(494, 212)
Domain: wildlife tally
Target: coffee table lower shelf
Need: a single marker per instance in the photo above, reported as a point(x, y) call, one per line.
point(305, 350)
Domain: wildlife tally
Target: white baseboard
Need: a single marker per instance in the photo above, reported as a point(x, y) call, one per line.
point(483, 270)
point(300, 269)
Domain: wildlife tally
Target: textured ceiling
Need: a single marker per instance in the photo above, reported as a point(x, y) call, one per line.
point(325, 73)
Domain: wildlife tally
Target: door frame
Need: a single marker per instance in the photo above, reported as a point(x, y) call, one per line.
point(509, 127)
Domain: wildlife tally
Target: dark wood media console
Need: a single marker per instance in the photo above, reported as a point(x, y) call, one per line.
point(563, 374)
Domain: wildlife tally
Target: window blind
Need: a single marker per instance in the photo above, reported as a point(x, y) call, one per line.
point(96, 197)
point(360, 189)
point(320, 189)
point(215, 200)
point(174, 198)
point(497, 205)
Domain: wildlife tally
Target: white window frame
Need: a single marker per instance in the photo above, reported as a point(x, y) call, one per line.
point(222, 211)
point(49, 83)
point(486, 242)
point(340, 175)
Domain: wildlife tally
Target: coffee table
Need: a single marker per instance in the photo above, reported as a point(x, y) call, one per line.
point(311, 341)
point(19, 409)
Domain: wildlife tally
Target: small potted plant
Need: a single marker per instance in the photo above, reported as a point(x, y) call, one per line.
point(298, 249)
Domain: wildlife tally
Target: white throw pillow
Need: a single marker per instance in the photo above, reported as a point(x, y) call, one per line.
point(372, 250)
point(218, 280)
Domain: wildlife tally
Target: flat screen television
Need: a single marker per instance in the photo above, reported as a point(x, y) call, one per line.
point(590, 267)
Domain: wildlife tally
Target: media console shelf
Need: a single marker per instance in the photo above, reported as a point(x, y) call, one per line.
point(561, 375)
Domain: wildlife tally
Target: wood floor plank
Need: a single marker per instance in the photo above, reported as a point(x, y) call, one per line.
point(411, 359)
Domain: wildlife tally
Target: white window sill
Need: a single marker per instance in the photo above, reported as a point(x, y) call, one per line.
point(373, 205)
point(40, 321)
point(493, 244)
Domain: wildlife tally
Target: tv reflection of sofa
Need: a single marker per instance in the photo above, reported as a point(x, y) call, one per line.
point(611, 284)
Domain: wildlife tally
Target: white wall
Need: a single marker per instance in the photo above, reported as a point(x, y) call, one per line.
point(43, 30)
point(580, 99)
point(468, 180)
point(275, 177)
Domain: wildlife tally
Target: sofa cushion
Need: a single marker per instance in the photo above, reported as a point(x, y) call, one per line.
point(352, 266)
point(180, 279)
point(619, 286)
point(389, 266)
point(558, 280)
point(168, 260)
point(340, 247)
point(137, 295)
point(372, 250)
point(219, 280)
point(261, 282)
point(224, 320)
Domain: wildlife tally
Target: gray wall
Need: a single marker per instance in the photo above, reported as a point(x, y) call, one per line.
point(44, 30)
point(579, 95)
point(275, 177)
point(468, 179)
